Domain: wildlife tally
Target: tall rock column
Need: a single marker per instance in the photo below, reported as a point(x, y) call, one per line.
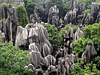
point(12, 23)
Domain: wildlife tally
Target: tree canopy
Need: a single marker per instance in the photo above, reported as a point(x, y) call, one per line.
point(13, 60)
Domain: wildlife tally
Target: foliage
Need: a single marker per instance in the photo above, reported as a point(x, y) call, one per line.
point(66, 7)
point(53, 35)
point(62, 32)
point(92, 33)
point(13, 60)
point(87, 3)
point(6, 20)
point(29, 5)
point(22, 16)
point(97, 59)
point(88, 69)
point(0, 38)
point(10, 1)
point(86, 12)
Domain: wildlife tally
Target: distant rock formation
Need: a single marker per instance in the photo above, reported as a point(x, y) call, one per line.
point(18, 2)
point(39, 15)
point(5, 1)
point(53, 17)
point(89, 54)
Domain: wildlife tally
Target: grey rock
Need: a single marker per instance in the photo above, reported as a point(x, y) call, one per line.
point(53, 17)
point(18, 2)
point(40, 13)
point(12, 23)
point(2, 12)
point(30, 66)
point(5, 1)
point(33, 47)
point(71, 16)
point(46, 50)
point(78, 34)
point(35, 58)
point(82, 7)
point(74, 4)
point(52, 70)
point(39, 71)
point(21, 37)
point(89, 54)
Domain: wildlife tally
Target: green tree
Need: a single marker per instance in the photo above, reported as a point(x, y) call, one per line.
point(13, 60)
point(10, 1)
point(29, 5)
point(88, 69)
point(53, 35)
point(22, 16)
point(92, 33)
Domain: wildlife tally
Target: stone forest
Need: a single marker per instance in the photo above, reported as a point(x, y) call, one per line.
point(49, 37)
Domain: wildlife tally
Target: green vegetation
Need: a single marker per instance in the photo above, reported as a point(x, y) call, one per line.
point(86, 12)
point(62, 32)
point(22, 16)
point(87, 3)
point(88, 69)
point(10, 1)
point(53, 35)
point(13, 60)
point(29, 5)
point(92, 33)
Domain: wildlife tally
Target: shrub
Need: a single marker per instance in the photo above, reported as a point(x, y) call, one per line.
point(53, 35)
point(22, 16)
point(13, 60)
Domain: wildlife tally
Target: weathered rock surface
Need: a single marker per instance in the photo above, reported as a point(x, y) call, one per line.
point(2, 12)
point(5, 1)
point(18, 2)
point(89, 54)
point(12, 23)
point(78, 34)
point(53, 17)
point(40, 15)
point(36, 37)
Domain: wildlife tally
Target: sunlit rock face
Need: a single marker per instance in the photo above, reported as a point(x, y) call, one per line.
point(36, 37)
